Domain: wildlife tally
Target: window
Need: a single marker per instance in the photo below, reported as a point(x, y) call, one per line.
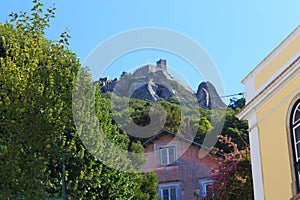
point(168, 155)
point(169, 192)
point(295, 134)
point(206, 188)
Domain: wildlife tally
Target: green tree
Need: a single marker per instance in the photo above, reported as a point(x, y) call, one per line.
point(237, 104)
point(37, 132)
point(235, 128)
point(36, 80)
point(147, 181)
point(112, 184)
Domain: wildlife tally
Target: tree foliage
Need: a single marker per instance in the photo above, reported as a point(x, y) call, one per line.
point(37, 132)
point(200, 122)
point(36, 81)
point(233, 177)
point(236, 129)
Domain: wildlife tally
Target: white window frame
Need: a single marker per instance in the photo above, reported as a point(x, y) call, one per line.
point(297, 154)
point(297, 109)
point(167, 148)
point(294, 125)
point(203, 186)
point(168, 187)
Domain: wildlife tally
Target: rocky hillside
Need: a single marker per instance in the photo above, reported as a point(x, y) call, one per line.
point(154, 82)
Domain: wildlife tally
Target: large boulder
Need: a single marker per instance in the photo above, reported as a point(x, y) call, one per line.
point(208, 96)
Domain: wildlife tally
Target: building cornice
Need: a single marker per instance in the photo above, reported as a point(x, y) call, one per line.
point(264, 96)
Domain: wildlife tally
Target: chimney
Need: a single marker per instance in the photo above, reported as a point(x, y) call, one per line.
point(162, 64)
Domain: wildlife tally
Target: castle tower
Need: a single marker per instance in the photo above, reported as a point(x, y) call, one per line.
point(162, 64)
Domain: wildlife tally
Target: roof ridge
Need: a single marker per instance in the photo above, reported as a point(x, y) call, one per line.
point(180, 137)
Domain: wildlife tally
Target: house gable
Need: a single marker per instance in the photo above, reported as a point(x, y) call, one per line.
point(188, 169)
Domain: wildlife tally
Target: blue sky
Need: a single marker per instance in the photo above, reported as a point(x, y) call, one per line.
point(236, 34)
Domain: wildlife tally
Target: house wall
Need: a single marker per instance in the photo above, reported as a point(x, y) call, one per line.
point(270, 89)
point(273, 137)
point(188, 171)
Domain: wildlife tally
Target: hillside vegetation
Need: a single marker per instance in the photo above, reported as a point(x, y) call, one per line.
point(200, 119)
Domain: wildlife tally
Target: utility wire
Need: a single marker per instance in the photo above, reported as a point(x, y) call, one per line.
point(229, 95)
point(232, 95)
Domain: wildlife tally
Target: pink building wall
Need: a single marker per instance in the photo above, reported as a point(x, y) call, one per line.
point(189, 169)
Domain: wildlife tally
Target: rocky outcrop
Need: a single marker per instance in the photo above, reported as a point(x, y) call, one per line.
point(154, 82)
point(148, 82)
point(108, 85)
point(208, 96)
